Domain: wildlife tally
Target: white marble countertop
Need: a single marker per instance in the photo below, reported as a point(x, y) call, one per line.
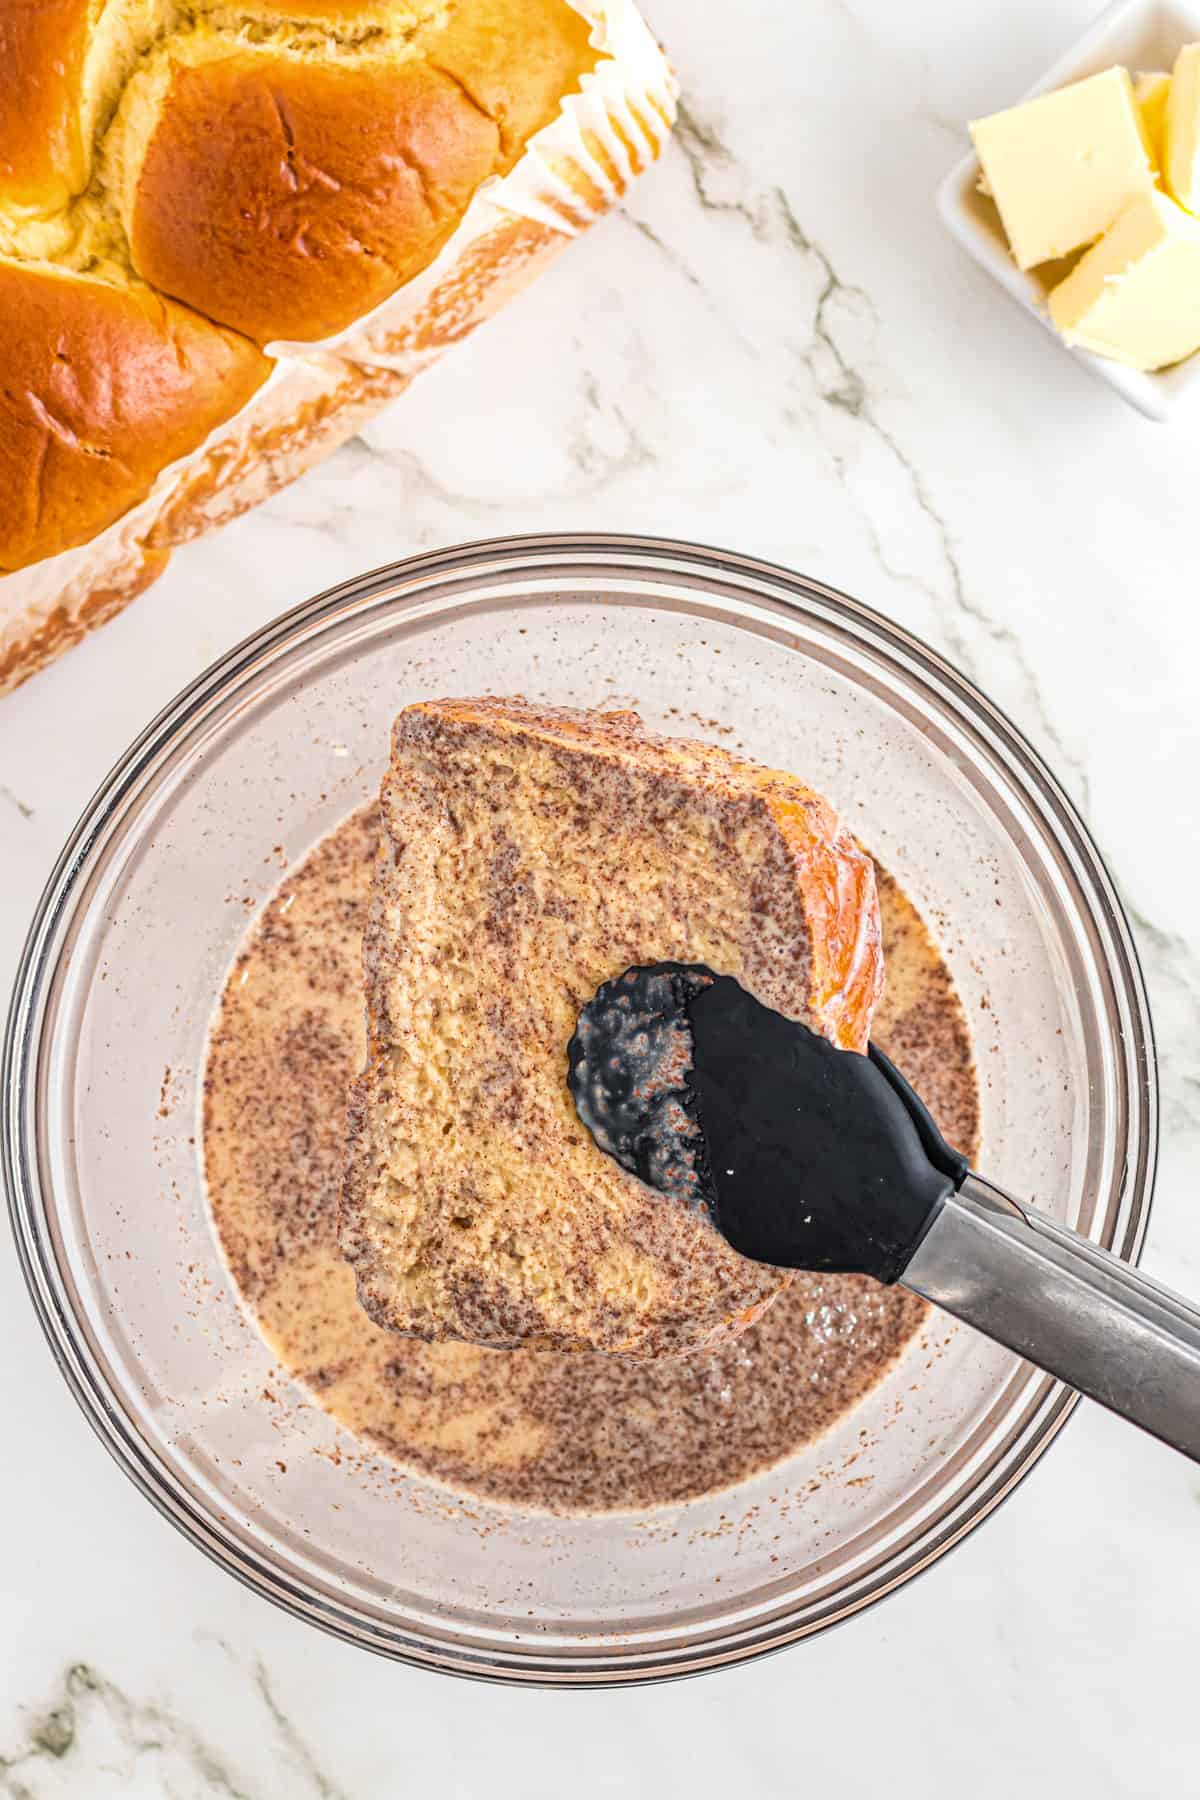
point(773, 347)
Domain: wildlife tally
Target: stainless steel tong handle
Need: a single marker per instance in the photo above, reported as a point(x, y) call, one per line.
point(1066, 1305)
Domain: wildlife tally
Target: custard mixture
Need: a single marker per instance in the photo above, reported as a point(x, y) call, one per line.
point(541, 1430)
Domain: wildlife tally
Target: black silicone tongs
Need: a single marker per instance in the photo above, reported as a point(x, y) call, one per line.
point(810, 1157)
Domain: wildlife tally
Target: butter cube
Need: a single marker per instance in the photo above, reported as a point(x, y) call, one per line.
point(1135, 296)
point(1183, 129)
point(1151, 91)
point(1063, 166)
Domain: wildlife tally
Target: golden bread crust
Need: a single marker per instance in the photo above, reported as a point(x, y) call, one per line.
point(287, 197)
point(100, 388)
point(311, 186)
point(531, 853)
point(42, 45)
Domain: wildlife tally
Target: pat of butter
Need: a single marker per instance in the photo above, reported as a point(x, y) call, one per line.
point(1183, 129)
point(1135, 296)
point(1151, 92)
point(1061, 168)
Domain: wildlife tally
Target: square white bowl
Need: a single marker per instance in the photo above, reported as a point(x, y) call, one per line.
point(1142, 35)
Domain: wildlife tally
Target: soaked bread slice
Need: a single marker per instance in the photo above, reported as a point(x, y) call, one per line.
point(530, 853)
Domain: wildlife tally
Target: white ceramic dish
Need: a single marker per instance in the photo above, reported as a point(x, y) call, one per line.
point(1140, 35)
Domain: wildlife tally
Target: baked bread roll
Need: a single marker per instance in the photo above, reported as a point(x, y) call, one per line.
point(288, 184)
point(193, 195)
point(530, 854)
point(102, 384)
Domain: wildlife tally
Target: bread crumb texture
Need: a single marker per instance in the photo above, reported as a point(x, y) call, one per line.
point(181, 185)
point(528, 854)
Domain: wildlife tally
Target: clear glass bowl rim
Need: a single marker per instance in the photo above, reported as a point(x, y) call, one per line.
point(405, 586)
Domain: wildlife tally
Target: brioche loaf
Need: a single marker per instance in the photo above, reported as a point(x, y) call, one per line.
point(193, 193)
point(528, 855)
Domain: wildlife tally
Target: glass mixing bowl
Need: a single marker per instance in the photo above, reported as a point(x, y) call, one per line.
point(186, 838)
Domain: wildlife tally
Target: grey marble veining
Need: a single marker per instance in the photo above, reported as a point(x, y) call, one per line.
point(94, 1736)
point(769, 216)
